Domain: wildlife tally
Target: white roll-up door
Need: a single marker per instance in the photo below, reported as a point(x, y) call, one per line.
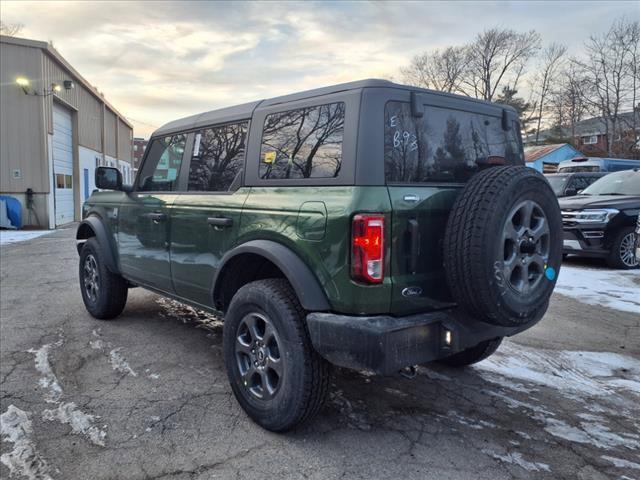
point(63, 164)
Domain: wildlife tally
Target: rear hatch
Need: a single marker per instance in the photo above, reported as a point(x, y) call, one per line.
point(428, 160)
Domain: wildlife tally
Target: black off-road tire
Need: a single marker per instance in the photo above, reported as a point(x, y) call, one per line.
point(111, 296)
point(615, 257)
point(305, 374)
point(472, 355)
point(475, 249)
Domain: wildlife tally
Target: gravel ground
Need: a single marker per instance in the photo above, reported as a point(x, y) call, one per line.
point(146, 395)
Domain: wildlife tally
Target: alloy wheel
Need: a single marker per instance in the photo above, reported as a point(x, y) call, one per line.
point(627, 255)
point(258, 358)
point(525, 247)
point(91, 278)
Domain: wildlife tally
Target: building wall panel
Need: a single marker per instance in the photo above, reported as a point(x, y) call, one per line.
point(22, 137)
point(125, 141)
point(89, 120)
point(110, 129)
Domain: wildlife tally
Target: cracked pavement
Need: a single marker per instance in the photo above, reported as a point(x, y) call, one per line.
point(151, 386)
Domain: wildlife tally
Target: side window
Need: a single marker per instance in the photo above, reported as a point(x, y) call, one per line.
point(303, 143)
point(162, 165)
point(218, 156)
point(444, 144)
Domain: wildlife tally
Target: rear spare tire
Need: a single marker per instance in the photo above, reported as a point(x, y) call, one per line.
point(503, 245)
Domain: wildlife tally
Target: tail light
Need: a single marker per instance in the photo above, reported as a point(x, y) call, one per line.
point(367, 248)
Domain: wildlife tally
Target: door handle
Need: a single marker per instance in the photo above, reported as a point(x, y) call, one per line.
point(157, 217)
point(220, 221)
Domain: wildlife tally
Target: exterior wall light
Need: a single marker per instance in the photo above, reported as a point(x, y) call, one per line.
point(23, 83)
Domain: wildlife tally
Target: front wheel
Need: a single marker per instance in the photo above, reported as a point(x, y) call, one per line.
point(622, 255)
point(472, 355)
point(104, 293)
point(275, 374)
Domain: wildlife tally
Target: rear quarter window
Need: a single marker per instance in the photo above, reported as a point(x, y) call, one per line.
point(444, 145)
point(303, 143)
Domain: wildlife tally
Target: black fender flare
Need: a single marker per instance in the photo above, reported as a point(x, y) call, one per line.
point(100, 231)
point(307, 287)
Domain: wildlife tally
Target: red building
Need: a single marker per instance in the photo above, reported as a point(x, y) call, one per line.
point(139, 146)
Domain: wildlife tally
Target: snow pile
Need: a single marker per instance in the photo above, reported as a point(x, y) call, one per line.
point(24, 459)
point(14, 236)
point(617, 289)
point(48, 380)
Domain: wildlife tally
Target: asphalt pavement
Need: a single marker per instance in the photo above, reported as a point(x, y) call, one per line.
point(145, 396)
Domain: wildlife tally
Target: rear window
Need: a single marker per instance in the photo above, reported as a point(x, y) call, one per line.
point(303, 143)
point(443, 144)
point(558, 183)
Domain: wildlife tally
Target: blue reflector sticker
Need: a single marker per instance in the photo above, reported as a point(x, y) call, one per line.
point(550, 273)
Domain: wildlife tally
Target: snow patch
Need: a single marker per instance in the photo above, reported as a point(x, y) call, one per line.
point(612, 289)
point(15, 236)
point(188, 314)
point(595, 374)
point(591, 433)
point(79, 421)
point(621, 463)
point(119, 363)
point(48, 380)
point(24, 459)
point(154, 376)
point(516, 459)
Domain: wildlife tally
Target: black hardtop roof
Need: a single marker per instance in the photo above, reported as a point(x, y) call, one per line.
point(245, 111)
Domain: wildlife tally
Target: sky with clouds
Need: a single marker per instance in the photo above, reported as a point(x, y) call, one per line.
point(158, 61)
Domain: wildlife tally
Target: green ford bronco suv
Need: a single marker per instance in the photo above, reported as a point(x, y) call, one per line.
point(367, 225)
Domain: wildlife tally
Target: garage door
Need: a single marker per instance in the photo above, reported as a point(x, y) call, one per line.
point(63, 164)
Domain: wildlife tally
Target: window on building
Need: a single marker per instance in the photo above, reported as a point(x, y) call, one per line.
point(303, 143)
point(590, 140)
point(218, 156)
point(59, 180)
point(444, 144)
point(162, 165)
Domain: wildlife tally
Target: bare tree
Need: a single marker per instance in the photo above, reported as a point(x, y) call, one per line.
point(10, 29)
point(567, 98)
point(550, 67)
point(634, 70)
point(441, 70)
point(497, 59)
point(610, 81)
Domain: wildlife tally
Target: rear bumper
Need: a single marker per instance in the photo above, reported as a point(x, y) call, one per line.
point(385, 344)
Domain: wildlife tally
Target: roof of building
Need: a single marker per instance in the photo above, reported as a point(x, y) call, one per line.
point(535, 152)
point(53, 53)
point(244, 111)
point(589, 126)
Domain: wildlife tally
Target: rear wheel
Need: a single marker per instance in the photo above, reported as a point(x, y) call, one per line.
point(104, 293)
point(472, 355)
point(275, 374)
point(503, 246)
point(622, 255)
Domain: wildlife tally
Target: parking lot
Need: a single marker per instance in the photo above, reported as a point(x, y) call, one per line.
point(146, 395)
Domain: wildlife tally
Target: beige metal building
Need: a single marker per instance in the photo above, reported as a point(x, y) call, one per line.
point(55, 129)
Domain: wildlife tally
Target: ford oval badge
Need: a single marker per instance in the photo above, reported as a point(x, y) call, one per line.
point(411, 292)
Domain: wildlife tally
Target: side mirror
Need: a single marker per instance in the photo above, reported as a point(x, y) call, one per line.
point(108, 178)
point(570, 192)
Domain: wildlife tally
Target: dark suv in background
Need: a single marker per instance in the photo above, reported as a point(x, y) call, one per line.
point(569, 184)
point(600, 222)
point(367, 225)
